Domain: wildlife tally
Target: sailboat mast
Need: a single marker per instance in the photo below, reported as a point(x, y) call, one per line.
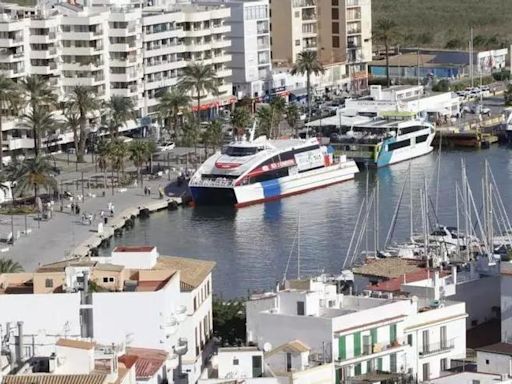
point(298, 248)
point(376, 218)
point(458, 221)
point(466, 209)
point(411, 220)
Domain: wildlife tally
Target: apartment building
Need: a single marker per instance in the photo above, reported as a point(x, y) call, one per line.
point(360, 334)
point(134, 297)
point(117, 49)
point(338, 30)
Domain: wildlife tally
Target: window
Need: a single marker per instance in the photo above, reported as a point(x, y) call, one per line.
point(257, 370)
point(300, 308)
point(195, 303)
point(392, 362)
point(48, 283)
point(235, 361)
point(444, 364)
point(297, 43)
point(335, 41)
point(399, 144)
point(409, 340)
point(425, 341)
point(443, 340)
point(487, 362)
point(334, 3)
point(406, 130)
point(335, 14)
point(392, 333)
point(421, 139)
point(288, 362)
point(336, 27)
point(426, 371)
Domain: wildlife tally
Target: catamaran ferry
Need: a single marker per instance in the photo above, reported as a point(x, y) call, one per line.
point(389, 139)
point(254, 171)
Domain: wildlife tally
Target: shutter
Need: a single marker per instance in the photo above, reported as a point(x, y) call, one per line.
point(357, 344)
point(342, 348)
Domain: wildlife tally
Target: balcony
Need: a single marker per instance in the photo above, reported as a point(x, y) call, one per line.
point(308, 16)
point(304, 3)
point(375, 350)
point(433, 349)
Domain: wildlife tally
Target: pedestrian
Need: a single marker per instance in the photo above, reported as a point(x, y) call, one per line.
point(145, 190)
point(109, 205)
point(112, 211)
point(149, 191)
point(72, 207)
point(102, 213)
point(77, 209)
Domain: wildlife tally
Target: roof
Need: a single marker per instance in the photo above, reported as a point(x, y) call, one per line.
point(60, 266)
point(147, 361)
point(295, 346)
point(109, 267)
point(134, 248)
point(394, 284)
point(54, 379)
point(192, 271)
point(387, 268)
point(78, 344)
point(499, 348)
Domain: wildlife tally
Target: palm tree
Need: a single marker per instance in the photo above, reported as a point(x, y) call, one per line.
point(39, 96)
point(10, 266)
point(72, 122)
point(102, 152)
point(172, 103)
point(119, 112)
point(10, 100)
point(118, 152)
point(385, 32)
point(140, 153)
point(33, 174)
point(240, 119)
point(216, 134)
point(293, 117)
point(308, 63)
point(40, 121)
point(201, 79)
point(278, 107)
point(264, 116)
point(84, 103)
point(191, 132)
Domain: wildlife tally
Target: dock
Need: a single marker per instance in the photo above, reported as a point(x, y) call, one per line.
point(472, 134)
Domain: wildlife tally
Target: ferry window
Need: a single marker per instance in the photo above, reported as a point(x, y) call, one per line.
point(406, 130)
point(421, 139)
point(276, 174)
point(241, 151)
point(399, 144)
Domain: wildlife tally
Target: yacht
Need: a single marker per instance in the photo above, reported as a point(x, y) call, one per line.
point(253, 171)
point(388, 139)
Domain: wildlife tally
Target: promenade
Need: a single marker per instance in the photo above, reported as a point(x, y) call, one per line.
point(55, 239)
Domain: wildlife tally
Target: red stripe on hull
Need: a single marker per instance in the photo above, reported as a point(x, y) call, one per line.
point(274, 198)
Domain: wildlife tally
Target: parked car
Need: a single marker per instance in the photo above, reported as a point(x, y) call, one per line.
point(165, 146)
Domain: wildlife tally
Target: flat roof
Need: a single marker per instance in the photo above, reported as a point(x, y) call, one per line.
point(73, 343)
point(133, 248)
point(469, 378)
point(411, 60)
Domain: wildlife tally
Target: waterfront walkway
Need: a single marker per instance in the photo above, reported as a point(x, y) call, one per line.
point(58, 237)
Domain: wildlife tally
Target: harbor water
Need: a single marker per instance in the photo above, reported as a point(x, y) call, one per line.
point(310, 233)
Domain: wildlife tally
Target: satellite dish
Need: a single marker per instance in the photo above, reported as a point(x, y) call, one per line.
point(267, 347)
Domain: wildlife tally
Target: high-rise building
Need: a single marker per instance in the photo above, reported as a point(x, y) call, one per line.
point(338, 30)
point(117, 49)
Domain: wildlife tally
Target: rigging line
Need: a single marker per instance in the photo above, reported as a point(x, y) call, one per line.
point(365, 224)
point(290, 256)
point(347, 257)
point(394, 219)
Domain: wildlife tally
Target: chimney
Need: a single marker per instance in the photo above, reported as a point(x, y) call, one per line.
point(19, 344)
point(454, 274)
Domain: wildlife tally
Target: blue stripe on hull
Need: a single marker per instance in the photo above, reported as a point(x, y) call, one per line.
point(271, 188)
point(384, 157)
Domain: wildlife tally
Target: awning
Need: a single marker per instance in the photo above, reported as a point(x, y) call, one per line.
point(299, 92)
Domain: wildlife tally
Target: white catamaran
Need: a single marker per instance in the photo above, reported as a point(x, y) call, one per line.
point(253, 171)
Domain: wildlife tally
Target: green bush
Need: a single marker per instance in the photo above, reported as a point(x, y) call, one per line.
point(503, 75)
point(441, 86)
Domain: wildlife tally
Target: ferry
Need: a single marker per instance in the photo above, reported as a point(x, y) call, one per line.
point(388, 139)
point(251, 171)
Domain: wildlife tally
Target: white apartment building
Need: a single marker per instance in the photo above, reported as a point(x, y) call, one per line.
point(134, 297)
point(250, 50)
point(506, 301)
point(361, 335)
point(117, 49)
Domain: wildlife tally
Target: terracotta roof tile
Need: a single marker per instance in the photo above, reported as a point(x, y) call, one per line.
point(148, 361)
point(54, 379)
point(295, 346)
point(192, 271)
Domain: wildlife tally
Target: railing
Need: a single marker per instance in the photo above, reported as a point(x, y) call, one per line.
point(431, 349)
point(206, 182)
point(371, 349)
point(309, 16)
point(353, 3)
point(304, 3)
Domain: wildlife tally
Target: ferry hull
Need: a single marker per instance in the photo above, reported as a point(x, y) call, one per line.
point(241, 196)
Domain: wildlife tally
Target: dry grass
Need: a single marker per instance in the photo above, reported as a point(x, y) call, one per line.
point(438, 22)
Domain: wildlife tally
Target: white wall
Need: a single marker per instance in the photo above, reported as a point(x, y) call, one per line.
point(506, 302)
point(493, 363)
point(226, 368)
point(74, 360)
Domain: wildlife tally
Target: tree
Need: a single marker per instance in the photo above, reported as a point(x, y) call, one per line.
point(216, 134)
point(117, 154)
point(240, 120)
point(84, 103)
point(140, 153)
point(10, 266)
point(441, 86)
point(35, 173)
point(40, 99)
point(264, 115)
point(103, 153)
point(385, 32)
point(278, 107)
point(72, 122)
point(307, 63)
point(172, 103)
point(119, 110)
point(508, 95)
point(293, 117)
point(191, 132)
point(229, 321)
point(10, 100)
point(40, 121)
point(201, 79)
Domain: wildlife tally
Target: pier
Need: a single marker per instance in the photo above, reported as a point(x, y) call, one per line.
point(472, 134)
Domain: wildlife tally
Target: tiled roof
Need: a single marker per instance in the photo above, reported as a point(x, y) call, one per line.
point(72, 343)
point(148, 361)
point(192, 271)
point(54, 379)
point(109, 267)
point(295, 346)
point(60, 266)
point(394, 284)
point(499, 348)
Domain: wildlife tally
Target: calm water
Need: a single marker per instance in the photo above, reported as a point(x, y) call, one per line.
point(252, 245)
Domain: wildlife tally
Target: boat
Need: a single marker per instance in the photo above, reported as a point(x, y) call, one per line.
point(388, 139)
point(257, 170)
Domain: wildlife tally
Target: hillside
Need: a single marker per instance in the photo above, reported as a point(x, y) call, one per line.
point(446, 23)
